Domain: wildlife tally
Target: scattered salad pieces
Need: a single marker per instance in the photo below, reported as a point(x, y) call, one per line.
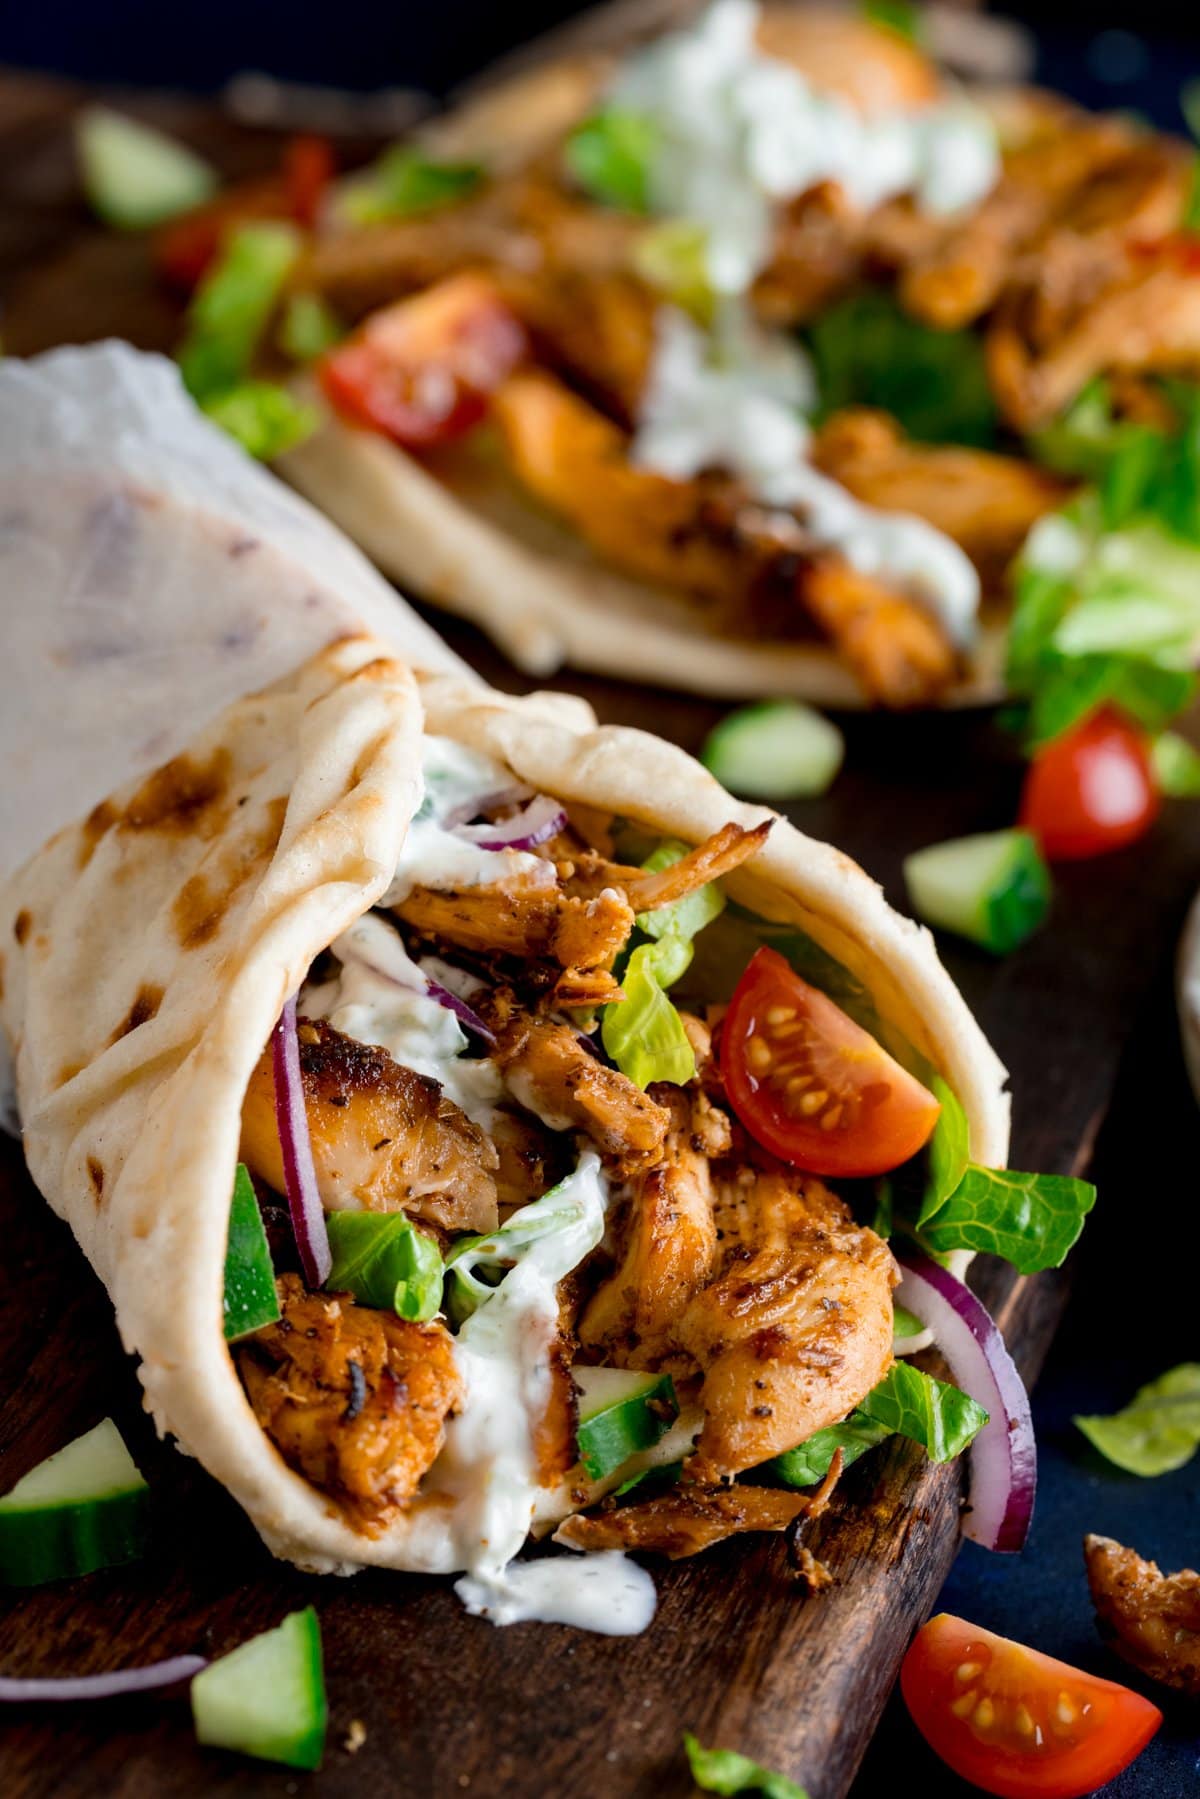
point(993, 889)
point(267, 1697)
point(1158, 1431)
point(796, 1069)
point(1176, 766)
point(263, 417)
point(385, 1261)
point(1031, 1220)
point(121, 1683)
point(135, 176)
point(1091, 790)
point(906, 1403)
point(309, 327)
point(725, 1771)
point(83, 1508)
point(403, 182)
point(621, 1413)
point(775, 750)
point(643, 1032)
point(250, 1297)
point(869, 352)
point(1015, 1722)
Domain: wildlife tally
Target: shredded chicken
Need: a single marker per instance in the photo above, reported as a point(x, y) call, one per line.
point(670, 1241)
point(985, 502)
point(1151, 1618)
point(689, 1518)
point(552, 1072)
point(897, 650)
point(354, 1399)
point(532, 1159)
point(383, 1138)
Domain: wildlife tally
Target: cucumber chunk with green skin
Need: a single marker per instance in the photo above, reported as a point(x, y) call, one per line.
point(250, 1297)
point(134, 176)
point(776, 750)
point(994, 889)
point(620, 1413)
point(83, 1508)
point(267, 1697)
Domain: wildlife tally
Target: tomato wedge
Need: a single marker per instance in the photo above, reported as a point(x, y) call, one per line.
point(1091, 790)
point(421, 371)
point(812, 1086)
point(1015, 1722)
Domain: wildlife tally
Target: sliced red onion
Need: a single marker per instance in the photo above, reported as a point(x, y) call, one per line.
point(462, 1012)
point(1004, 1454)
point(489, 802)
point(299, 1174)
point(117, 1685)
point(535, 823)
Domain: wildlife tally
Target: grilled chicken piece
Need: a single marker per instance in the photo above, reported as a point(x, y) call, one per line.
point(558, 1079)
point(1145, 321)
point(531, 1159)
point(797, 1327)
point(355, 1400)
point(383, 1138)
point(581, 934)
point(686, 1520)
point(1151, 1618)
point(718, 855)
point(986, 503)
point(898, 651)
point(669, 1241)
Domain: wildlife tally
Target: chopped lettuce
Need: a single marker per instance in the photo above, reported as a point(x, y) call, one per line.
point(688, 916)
point(232, 305)
point(899, 16)
point(672, 258)
point(265, 418)
point(868, 352)
point(403, 182)
point(610, 156)
point(385, 1261)
point(1031, 1220)
point(725, 1771)
point(309, 328)
point(1176, 766)
point(906, 1403)
point(1158, 1431)
point(642, 1032)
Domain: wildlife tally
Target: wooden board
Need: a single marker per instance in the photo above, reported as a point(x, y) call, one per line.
point(737, 1653)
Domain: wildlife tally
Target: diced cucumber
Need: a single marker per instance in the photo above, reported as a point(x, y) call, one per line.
point(776, 750)
point(994, 889)
point(134, 176)
point(267, 1697)
point(250, 1297)
point(621, 1412)
point(83, 1508)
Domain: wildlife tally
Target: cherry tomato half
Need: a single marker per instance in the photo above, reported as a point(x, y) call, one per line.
point(421, 371)
point(1091, 790)
point(812, 1086)
point(1015, 1722)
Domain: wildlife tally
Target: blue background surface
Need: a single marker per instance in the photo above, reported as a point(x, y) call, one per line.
point(1137, 1275)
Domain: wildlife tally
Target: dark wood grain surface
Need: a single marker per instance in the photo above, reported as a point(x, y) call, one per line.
point(738, 1652)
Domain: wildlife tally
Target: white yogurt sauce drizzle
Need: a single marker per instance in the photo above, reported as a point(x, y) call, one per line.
point(737, 132)
point(434, 856)
point(735, 401)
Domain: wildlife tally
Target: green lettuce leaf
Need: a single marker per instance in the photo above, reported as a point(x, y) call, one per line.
point(402, 183)
point(1158, 1431)
point(231, 307)
point(610, 156)
point(1176, 766)
point(642, 1032)
point(474, 1266)
point(309, 328)
point(688, 916)
point(385, 1261)
point(907, 1403)
point(868, 352)
point(899, 16)
point(263, 417)
point(948, 1150)
point(1031, 1220)
point(725, 1771)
